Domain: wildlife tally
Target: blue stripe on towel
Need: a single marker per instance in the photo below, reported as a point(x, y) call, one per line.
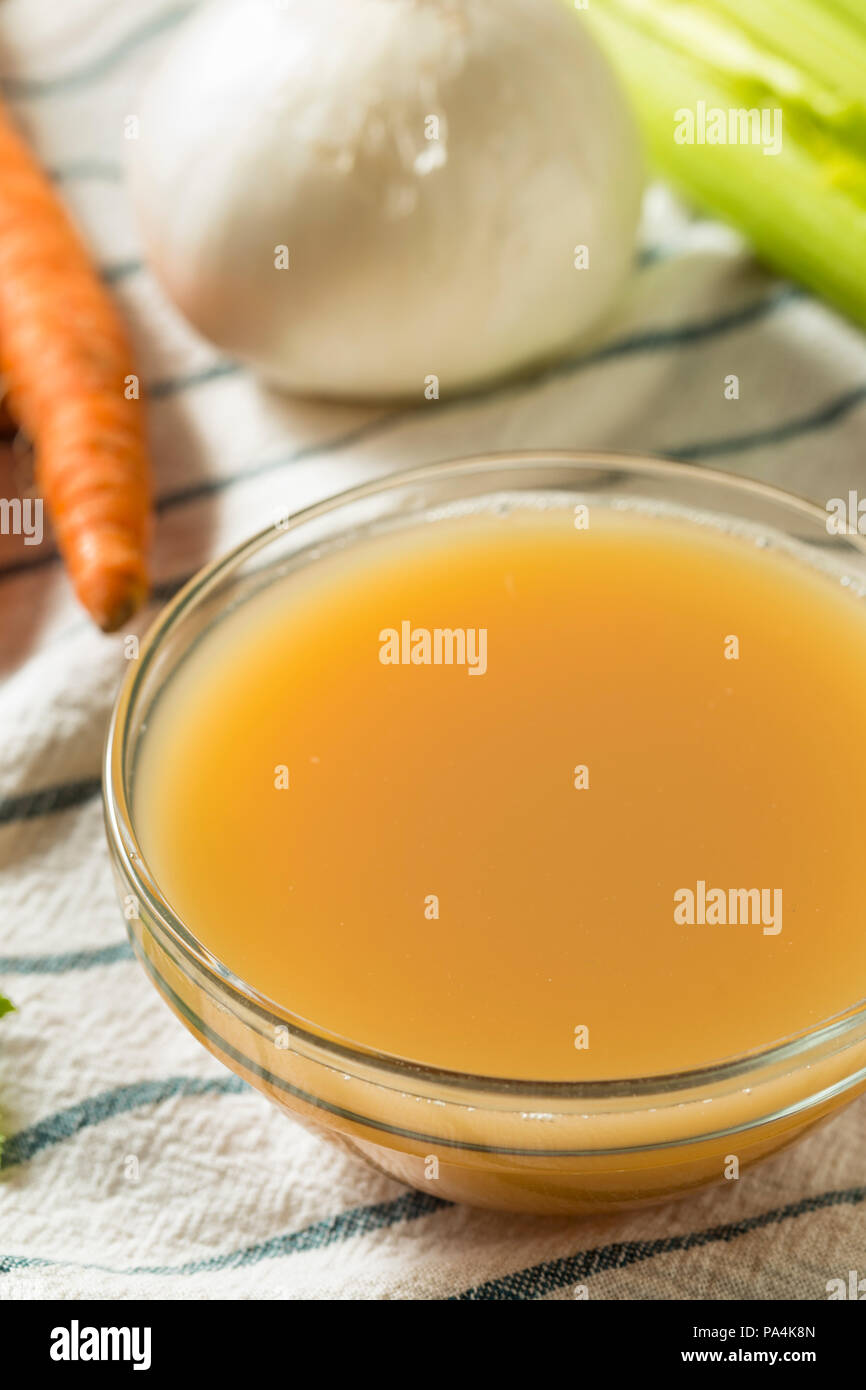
point(99, 170)
point(120, 270)
point(332, 1230)
point(651, 340)
point(33, 88)
point(551, 1275)
point(358, 434)
point(64, 1124)
point(176, 385)
point(532, 1283)
point(826, 415)
point(59, 963)
point(46, 800)
point(646, 341)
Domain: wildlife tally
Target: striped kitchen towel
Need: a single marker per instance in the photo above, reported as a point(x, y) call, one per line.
point(227, 1197)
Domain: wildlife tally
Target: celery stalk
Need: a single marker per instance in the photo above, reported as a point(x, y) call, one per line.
point(804, 208)
point(806, 33)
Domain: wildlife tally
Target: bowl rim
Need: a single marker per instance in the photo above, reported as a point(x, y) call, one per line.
point(126, 850)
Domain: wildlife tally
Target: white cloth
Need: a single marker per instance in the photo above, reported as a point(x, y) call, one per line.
point(231, 1199)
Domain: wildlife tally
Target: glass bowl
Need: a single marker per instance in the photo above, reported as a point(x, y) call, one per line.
point(543, 1146)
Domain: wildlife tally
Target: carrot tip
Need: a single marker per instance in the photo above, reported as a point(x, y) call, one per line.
point(111, 620)
point(111, 604)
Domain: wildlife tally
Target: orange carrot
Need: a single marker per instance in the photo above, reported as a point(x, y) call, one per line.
point(66, 366)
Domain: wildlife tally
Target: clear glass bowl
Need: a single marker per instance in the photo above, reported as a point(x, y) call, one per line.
point(540, 1146)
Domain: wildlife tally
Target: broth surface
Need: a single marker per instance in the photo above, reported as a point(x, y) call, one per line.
point(419, 789)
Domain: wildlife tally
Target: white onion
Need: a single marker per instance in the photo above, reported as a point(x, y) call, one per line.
point(305, 124)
